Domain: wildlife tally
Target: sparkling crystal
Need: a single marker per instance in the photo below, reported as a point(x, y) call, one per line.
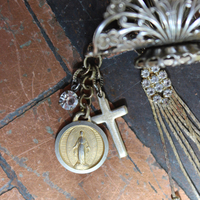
point(155, 69)
point(165, 101)
point(68, 100)
point(154, 79)
point(159, 87)
point(157, 99)
point(150, 91)
point(145, 73)
point(166, 83)
point(167, 93)
point(162, 74)
point(145, 83)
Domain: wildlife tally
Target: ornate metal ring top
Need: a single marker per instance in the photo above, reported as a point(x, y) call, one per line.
point(151, 23)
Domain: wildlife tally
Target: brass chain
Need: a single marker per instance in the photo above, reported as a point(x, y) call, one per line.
point(87, 79)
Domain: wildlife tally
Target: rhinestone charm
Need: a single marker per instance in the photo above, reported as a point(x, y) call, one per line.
point(150, 91)
point(166, 83)
point(68, 100)
point(165, 101)
point(159, 87)
point(145, 83)
point(157, 99)
point(154, 79)
point(162, 75)
point(145, 73)
point(155, 69)
point(167, 93)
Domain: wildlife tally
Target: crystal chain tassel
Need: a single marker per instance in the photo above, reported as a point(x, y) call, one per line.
point(170, 111)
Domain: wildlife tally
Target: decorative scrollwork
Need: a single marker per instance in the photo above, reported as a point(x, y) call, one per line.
point(146, 23)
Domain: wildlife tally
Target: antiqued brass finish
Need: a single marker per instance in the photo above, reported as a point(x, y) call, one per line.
point(87, 79)
point(108, 116)
point(81, 147)
point(176, 198)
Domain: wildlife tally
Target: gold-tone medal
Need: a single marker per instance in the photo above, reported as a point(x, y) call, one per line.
point(81, 147)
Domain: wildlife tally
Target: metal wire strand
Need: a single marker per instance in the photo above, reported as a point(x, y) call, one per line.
point(169, 171)
point(174, 150)
point(181, 138)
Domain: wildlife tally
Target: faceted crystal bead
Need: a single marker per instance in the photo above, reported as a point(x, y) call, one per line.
point(165, 101)
point(68, 100)
point(145, 73)
point(166, 83)
point(159, 87)
point(167, 93)
point(157, 99)
point(145, 83)
point(150, 91)
point(155, 69)
point(162, 74)
point(154, 79)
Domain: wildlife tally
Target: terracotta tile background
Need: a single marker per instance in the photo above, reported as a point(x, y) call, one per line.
point(29, 67)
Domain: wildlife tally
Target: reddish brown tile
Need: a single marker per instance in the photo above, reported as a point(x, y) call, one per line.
point(12, 195)
point(57, 35)
point(28, 66)
point(32, 156)
point(3, 178)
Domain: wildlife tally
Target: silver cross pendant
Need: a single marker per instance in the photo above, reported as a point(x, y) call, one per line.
point(108, 116)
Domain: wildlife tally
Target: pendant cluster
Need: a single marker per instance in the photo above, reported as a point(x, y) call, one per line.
point(81, 146)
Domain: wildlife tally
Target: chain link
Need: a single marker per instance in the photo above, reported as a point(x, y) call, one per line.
point(87, 79)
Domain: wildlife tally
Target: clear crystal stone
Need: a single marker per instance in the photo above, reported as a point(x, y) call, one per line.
point(150, 91)
point(157, 99)
point(145, 73)
point(68, 100)
point(167, 93)
point(159, 87)
point(165, 101)
point(166, 83)
point(154, 79)
point(145, 83)
point(162, 74)
point(155, 69)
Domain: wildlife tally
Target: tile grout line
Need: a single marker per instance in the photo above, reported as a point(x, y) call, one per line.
point(48, 41)
point(21, 110)
point(14, 182)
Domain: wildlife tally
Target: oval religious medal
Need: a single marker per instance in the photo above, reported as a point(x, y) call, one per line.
point(81, 147)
